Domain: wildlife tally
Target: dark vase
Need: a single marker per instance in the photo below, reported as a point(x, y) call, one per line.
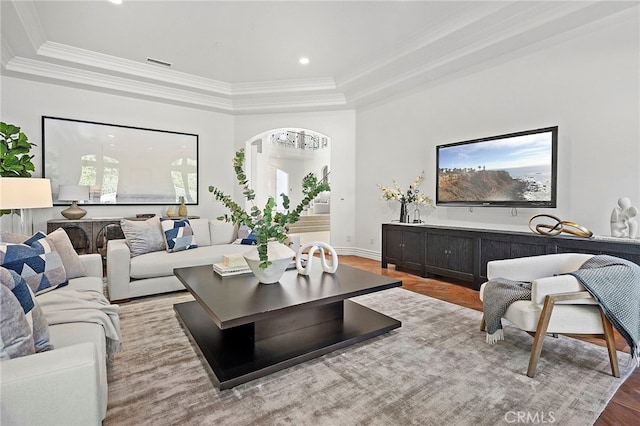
point(403, 213)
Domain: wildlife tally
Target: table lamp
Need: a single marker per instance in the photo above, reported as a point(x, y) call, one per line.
point(73, 193)
point(21, 195)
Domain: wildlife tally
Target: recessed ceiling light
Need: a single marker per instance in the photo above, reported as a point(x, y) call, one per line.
point(116, 1)
point(304, 60)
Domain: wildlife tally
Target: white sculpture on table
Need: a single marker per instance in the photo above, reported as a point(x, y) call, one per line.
point(313, 247)
point(623, 219)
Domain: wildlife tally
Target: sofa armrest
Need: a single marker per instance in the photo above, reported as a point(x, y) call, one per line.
point(118, 269)
point(61, 386)
point(92, 264)
point(534, 267)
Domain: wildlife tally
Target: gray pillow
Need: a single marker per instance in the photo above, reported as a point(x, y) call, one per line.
point(143, 236)
point(70, 260)
point(16, 339)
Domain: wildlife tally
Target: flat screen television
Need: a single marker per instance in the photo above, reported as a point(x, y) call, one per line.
point(512, 170)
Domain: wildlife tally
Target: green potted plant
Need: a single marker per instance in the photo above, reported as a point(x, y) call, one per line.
point(15, 160)
point(267, 224)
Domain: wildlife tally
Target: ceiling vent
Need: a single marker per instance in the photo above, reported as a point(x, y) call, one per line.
point(159, 62)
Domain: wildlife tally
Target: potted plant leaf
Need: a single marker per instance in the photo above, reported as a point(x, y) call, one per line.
point(269, 226)
point(15, 160)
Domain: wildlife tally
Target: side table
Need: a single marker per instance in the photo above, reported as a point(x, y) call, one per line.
point(88, 235)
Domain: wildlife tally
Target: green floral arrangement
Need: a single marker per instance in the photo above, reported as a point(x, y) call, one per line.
point(411, 195)
point(267, 224)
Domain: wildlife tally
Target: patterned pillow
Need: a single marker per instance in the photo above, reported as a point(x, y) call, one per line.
point(19, 307)
point(143, 236)
point(37, 261)
point(178, 235)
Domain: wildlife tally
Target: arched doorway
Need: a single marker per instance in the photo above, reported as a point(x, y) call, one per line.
point(277, 160)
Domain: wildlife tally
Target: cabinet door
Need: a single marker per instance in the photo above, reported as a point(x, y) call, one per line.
point(498, 249)
point(393, 246)
point(461, 254)
point(413, 250)
point(438, 251)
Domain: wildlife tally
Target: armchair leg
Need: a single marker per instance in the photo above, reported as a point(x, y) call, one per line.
point(611, 344)
point(483, 324)
point(541, 330)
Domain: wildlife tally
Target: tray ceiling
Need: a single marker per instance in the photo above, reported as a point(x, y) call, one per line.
point(242, 57)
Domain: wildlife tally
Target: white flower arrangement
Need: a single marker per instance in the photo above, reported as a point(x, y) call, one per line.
point(411, 195)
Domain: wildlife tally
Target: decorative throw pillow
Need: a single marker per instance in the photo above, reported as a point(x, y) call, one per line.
point(37, 332)
point(70, 259)
point(9, 237)
point(178, 235)
point(15, 333)
point(143, 236)
point(251, 240)
point(37, 261)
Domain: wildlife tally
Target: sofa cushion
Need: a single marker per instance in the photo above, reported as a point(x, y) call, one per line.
point(143, 236)
point(37, 261)
point(13, 331)
point(178, 235)
point(222, 232)
point(201, 231)
point(70, 259)
point(161, 264)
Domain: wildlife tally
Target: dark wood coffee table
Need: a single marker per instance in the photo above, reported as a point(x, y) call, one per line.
point(245, 330)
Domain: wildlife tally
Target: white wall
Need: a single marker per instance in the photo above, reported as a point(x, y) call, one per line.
point(24, 102)
point(588, 86)
point(339, 126)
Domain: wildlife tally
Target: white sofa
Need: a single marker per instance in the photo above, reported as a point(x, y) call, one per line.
point(66, 385)
point(152, 273)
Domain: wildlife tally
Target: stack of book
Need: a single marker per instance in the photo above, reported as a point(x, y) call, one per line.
point(233, 264)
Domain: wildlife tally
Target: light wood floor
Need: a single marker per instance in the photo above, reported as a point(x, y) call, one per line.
point(623, 409)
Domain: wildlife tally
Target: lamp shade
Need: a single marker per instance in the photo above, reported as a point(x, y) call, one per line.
point(25, 193)
point(73, 193)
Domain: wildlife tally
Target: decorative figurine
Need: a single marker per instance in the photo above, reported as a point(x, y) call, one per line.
point(623, 219)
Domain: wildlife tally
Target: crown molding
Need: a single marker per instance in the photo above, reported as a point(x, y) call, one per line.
point(28, 16)
point(93, 79)
point(174, 95)
point(6, 54)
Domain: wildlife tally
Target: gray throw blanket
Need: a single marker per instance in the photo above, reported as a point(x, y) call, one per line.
point(615, 284)
point(498, 294)
point(70, 306)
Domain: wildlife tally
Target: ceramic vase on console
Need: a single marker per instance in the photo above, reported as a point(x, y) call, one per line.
point(280, 257)
point(182, 210)
point(403, 213)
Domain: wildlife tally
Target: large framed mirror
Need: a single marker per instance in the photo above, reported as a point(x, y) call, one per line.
point(122, 165)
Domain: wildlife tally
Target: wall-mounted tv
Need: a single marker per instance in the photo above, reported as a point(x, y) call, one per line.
point(512, 170)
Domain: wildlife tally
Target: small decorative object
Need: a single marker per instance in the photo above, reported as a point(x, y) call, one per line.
point(182, 210)
point(559, 227)
point(313, 247)
point(623, 219)
point(267, 225)
point(279, 256)
point(411, 195)
point(73, 193)
point(171, 211)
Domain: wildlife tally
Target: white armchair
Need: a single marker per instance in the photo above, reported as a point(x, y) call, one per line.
point(559, 303)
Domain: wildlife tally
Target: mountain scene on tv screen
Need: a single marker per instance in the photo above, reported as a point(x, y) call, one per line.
point(513, 169)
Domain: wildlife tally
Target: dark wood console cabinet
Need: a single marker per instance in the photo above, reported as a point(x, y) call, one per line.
point(463, 253)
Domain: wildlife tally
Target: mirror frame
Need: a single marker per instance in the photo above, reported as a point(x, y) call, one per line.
point(148, 163)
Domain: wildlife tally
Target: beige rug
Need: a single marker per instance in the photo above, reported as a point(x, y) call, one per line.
point(435, 370)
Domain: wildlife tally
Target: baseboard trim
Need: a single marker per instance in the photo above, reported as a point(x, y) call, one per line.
point(355, 251)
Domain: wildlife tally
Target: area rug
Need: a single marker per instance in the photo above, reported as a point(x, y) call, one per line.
point(436, 369)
